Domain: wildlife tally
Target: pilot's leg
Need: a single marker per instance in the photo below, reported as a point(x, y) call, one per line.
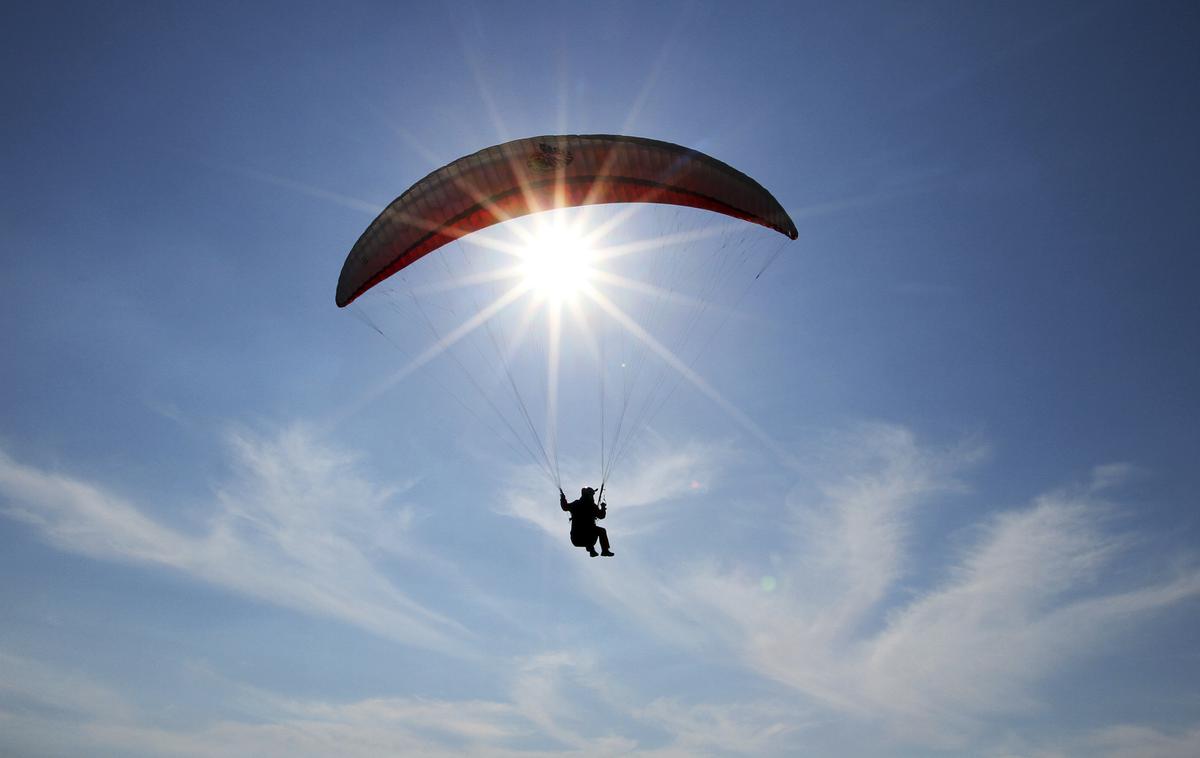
point(602, 533)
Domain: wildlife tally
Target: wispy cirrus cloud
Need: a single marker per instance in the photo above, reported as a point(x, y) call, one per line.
point(549, 709)
point(1119, 740)
point(761, 728)
point(661, 472)
point(296, 526)
point(841, 612)
point(836, 616)
point(1135, 741)
point(1020, 603)
point(25, 682)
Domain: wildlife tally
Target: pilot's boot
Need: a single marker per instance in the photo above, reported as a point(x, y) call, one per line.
point(602, 533)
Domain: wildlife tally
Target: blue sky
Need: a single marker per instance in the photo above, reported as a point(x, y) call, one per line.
point(946, 504)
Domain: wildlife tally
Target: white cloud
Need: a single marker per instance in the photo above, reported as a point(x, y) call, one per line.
point(23, 680)
point(1133, 741)
point(836, 621)
point(1120, 740)
point(660, 473)
point(739, 728)
point(1024, 603)
point(296, 527)
point(1109, 475)
point(551, 707)
point(829, 618)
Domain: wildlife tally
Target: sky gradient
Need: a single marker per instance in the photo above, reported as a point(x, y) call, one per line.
point(931, 492)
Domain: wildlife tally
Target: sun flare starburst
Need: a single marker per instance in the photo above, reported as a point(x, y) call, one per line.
point(557, 262)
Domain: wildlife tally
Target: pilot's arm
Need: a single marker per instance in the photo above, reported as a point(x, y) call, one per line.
point(562, 501)
point(603, 510)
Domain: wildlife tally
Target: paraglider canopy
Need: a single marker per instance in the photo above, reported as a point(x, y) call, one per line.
point(541, 173)
point(627, 354)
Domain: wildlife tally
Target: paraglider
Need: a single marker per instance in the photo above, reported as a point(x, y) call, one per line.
point(584, 513)
point(546, 173)
point(541, 173)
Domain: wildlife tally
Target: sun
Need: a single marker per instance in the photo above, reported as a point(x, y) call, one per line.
point(557, 262)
